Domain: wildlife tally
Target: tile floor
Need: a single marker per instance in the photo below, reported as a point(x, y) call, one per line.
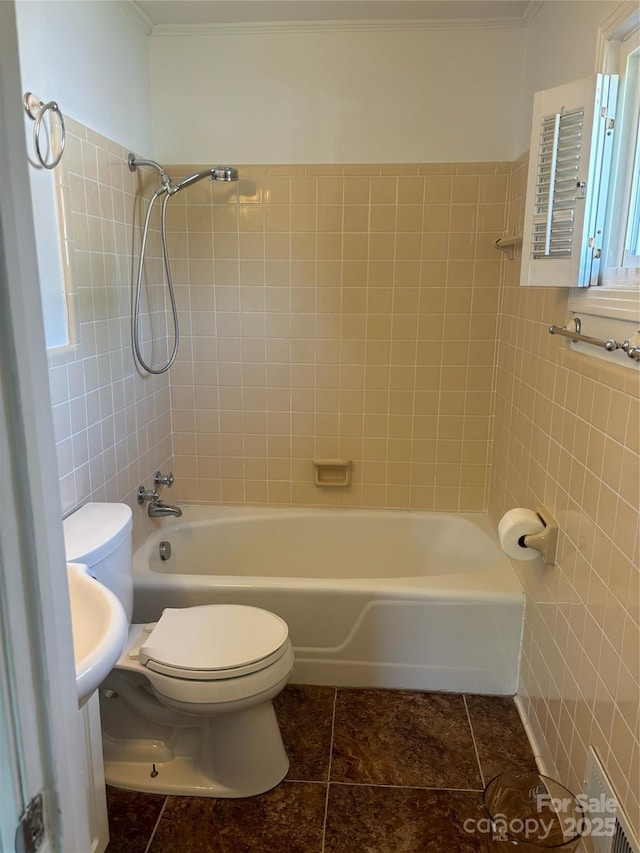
point(372, 771)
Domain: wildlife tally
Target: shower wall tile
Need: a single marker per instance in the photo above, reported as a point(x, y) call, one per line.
point(338, 312)
point(566, 436)
point(112, 425)
point(353, 311)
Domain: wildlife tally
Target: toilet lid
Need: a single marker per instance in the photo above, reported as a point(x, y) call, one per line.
point(214, 641)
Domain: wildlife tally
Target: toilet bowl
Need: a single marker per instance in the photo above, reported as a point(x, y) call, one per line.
point(188, 707)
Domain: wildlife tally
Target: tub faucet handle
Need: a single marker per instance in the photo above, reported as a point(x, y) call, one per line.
point(147, 495)
point(163, 479)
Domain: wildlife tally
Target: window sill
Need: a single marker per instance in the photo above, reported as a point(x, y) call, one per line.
point(62, 355)
point(622, 304)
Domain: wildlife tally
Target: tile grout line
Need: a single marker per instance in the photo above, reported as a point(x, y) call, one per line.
point(409, 787)
point(157, 823)
point(326, 801)
point(386, 785)
point(473, 738)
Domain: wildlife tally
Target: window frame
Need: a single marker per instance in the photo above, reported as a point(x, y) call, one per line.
point(617, 223)
point(618, 292)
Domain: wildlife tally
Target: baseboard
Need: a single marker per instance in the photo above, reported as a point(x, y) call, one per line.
point(541, 763)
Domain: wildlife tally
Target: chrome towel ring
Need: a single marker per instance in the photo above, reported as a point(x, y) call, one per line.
point(36, 110)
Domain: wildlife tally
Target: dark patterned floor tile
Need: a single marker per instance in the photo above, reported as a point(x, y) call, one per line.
point(363, 819)
point(132, 817)
point(305, 715)
point(387, 737)
point(500, 737)
point(288, 819)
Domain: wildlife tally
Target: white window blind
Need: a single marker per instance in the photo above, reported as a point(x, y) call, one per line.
point(571, 144)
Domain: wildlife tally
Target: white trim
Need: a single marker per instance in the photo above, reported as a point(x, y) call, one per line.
point(135, 12)
point(520, 704)
point(615, 28)
point(623, 304)
point(607, 300)
point(351, 26)
point(42, 566)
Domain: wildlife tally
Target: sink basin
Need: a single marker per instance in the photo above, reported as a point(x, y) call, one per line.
point(99, 626)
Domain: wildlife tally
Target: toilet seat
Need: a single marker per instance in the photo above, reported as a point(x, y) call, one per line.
point(213, 642)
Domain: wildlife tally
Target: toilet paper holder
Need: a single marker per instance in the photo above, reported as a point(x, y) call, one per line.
point(546, 541)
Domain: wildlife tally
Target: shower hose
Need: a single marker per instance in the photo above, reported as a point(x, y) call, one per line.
point(138, 297)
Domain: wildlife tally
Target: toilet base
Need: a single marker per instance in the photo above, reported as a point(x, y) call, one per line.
point(228, 756)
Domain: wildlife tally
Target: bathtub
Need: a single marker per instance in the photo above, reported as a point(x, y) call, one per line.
point(412, 600)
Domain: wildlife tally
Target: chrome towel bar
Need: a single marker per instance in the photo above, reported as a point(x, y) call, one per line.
point(610, 345)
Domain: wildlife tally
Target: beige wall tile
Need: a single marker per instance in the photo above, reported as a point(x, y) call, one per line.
point(353, 310)
point(563, 441)
point(99, 398)
point(356, 190)
point(437, 190)
point(368, 290)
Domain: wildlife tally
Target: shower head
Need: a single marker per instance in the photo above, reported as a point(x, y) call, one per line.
point(224, 173)
point(215, 173)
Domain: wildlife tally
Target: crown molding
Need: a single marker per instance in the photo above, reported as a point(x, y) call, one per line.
point(276, 27)
point(135, 12)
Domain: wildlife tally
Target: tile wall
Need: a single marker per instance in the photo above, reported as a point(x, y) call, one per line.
point(337, 312)
point(112, 425)
point(352, 312)
point(567, 436)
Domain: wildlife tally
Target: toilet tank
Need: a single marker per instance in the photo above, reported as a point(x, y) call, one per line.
point(99, 535)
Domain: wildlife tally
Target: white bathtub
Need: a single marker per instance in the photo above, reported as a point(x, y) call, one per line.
point(412, 600)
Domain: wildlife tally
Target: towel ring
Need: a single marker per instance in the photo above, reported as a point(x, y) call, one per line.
point(36, 110)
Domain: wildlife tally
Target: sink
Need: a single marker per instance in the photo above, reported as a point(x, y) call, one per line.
point(99, 626)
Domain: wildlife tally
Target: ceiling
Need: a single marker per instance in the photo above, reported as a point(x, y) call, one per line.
point(180, 12)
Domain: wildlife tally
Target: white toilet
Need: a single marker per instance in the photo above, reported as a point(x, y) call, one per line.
point(188, 708)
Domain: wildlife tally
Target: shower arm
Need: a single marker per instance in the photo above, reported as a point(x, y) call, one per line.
point(214, 173)
point(134, 162)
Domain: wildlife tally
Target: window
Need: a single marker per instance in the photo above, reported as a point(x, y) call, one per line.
point(571, 147)
point(622, 248)
point(582, 215)
point(617, 294)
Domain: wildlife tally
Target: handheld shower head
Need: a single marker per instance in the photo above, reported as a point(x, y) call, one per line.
point(215, 173)
point(224, 173)
point(167, 189)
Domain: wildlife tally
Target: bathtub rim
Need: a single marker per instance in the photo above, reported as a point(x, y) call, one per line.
point(498, 583)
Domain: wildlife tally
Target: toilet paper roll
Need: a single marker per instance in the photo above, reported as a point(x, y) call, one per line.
point(515, 524)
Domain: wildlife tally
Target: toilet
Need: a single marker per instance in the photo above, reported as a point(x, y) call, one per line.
point(188, 707)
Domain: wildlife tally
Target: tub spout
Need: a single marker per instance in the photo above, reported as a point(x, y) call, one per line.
point(159, 509)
